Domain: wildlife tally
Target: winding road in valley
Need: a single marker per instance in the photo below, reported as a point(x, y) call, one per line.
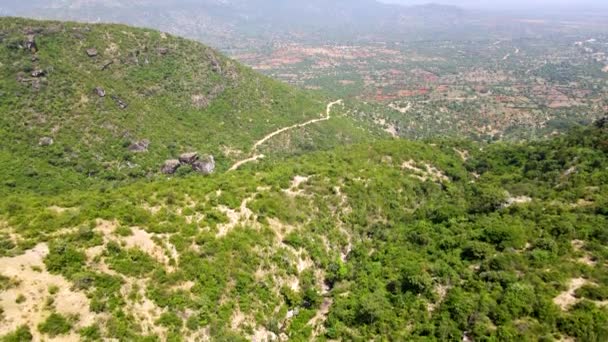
point(269, 136)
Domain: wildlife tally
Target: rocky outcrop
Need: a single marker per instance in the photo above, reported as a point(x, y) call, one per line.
point(201, 101)
point(106, 64)
point(205, 165)
point(45, 141)
point(216, 66)
point(188, 158)
point(140, 146)
point(92, 52)
point(121, 104)
point(99, 91)
point(35, 82)
point(30, 43)
point(38, 73)
point(170, 166)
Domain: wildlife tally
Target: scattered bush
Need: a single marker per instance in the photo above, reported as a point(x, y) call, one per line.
point(55, 325)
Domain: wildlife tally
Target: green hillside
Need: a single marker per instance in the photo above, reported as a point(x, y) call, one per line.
point(112, 103)
point(384, 240)
point(397, 240)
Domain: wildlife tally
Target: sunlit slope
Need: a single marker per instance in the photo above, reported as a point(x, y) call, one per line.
point(393, 240)
point(110, 102)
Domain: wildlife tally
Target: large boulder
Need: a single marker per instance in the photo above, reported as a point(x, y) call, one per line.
point(188, 158)
point(205, 165)
point(170, 166)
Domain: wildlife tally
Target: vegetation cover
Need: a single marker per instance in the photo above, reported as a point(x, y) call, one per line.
point(88, 103)
point(390, 240)
point(399, 240)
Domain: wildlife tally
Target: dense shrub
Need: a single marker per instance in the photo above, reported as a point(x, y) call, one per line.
point(54, 325)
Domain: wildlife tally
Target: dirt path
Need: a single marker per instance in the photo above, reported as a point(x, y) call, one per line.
point(317, 321)
point(509, 55)
point(245, 161)
point(567, 298)
point(279, 131)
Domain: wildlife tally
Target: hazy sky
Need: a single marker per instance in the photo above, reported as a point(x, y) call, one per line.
point(513, 4)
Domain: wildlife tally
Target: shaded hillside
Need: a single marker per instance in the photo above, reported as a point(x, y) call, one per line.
point(112, 102)
point(395, 240)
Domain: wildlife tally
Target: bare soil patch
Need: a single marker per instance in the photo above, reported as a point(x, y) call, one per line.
point(566, 299)
point(429, 171)
point(33, 281)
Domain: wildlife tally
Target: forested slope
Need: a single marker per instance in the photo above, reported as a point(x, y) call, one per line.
point(396, 240)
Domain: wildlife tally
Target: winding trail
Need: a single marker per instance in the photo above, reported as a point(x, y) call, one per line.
point(269, 136)
point(245, 161)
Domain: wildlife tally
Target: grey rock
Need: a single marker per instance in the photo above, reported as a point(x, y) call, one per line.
point(140, 146)
point(215, 63)
point(170, 166)
point(163, 51)
point(30, 43)
point(205, 165)
point(121, 104)
point(38, 73)
point(45, 141)
point(106, 64)
point(92, 52)
point(99, 91)
point(188, 158)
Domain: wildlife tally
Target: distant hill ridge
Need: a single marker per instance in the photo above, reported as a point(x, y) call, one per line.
point(226, 23)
